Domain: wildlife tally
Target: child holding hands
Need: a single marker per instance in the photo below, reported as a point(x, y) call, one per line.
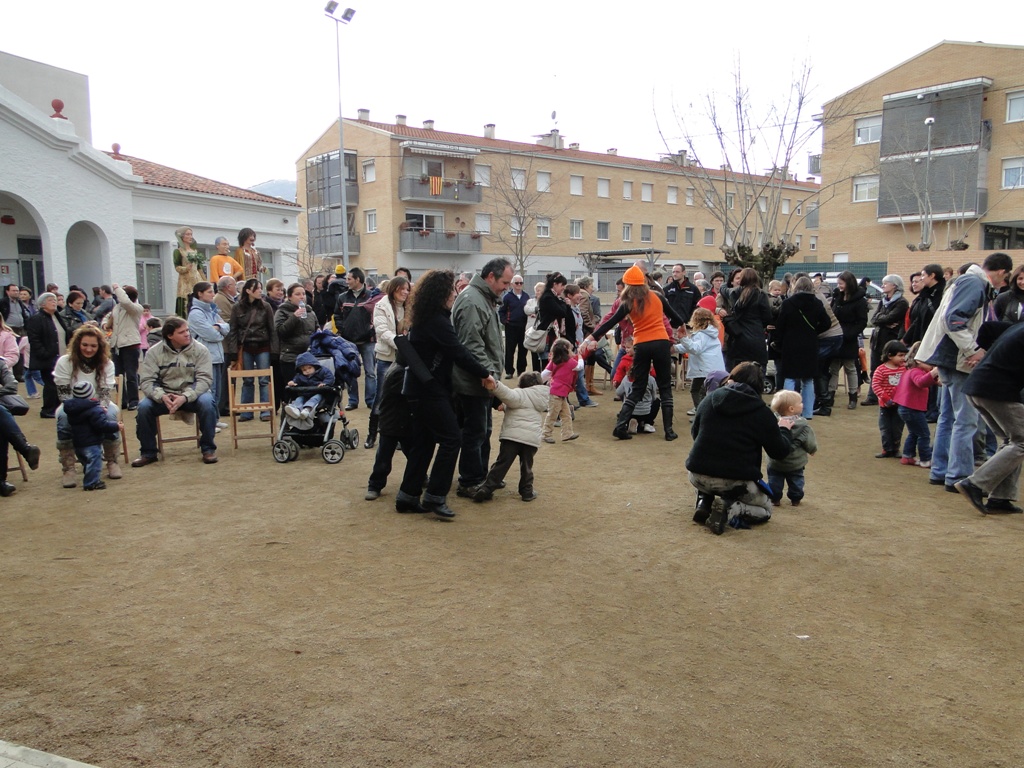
point(520, 434)
point(911, 398)
point(561, 373)
point(884, 382)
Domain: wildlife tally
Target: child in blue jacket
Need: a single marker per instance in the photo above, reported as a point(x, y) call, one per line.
point(89, 427)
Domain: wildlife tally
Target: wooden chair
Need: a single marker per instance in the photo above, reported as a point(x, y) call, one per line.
point(118, 383)
point(22, 467)
point(236, 407)
point(160, 439)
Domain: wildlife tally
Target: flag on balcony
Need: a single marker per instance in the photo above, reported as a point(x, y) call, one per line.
point(436, 182)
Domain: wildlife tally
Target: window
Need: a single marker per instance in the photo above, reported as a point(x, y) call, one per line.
point(798, 239)
point(575, 229)
point(688, 233)
point(604, 187)
point(1014, 106)
point(432, 167)
point(627, 190)
point(646, 233)
point(627, 232)
point(483, 223)
point(673, 196)
point(482, 175)
point(709, 199)
point(867, 130)
point(709, 237)
point(543, 227)
point(602, 230)
point(785, 206)
point(841, 258)
point(575, 185)
point(646, 192)
point(730, 200)
point(672, 235)
point(762, 205)
point(369, 171)
point(689, 195)
point(1013, 173)
point(371, 221)
point(865, 188)
point(814, 242)
point(516, 225)
point(543, 181)
point(800, 208)
point(149, 275)
point(518, 178)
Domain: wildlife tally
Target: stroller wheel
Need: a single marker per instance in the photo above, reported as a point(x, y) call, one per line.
point(352, 438)
point(769, 385)
point(293, 450)
point(282, 452)
point(333, 451)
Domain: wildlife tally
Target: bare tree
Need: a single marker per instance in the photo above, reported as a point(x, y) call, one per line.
point(523, 209)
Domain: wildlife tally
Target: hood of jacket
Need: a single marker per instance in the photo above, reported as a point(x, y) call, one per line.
point(306, 358)
point(736, 400)
point(73, 406)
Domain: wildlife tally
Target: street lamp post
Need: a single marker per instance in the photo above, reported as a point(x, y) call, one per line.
point(926, 235)
point(345, 18)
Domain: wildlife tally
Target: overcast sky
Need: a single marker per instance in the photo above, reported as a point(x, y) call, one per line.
point(237, 91)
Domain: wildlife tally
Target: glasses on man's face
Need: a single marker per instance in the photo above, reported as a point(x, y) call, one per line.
point(517, 282)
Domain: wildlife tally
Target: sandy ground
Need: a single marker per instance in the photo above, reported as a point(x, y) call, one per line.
point(258, 614)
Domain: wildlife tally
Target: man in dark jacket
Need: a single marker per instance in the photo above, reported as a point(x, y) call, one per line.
point(681, 294)
point(929, 296)
point(730, 429)
point(513, 316)
point(47, 338)
point(14, 312)
point(353, 317)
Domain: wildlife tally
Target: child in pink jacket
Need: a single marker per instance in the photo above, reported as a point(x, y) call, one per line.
point(561, 375)
point(911, 398)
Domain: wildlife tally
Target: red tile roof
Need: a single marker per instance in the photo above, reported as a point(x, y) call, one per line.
point(157, 175)
point(500, 145)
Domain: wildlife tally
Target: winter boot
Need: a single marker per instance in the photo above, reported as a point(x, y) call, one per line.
point(853, 401)
point(824, 407)
point(67, 462)
point(371, 430)
point(110, 457)
point(666, 419)
point(588, 380)
point(621, 430)
point(705, 501)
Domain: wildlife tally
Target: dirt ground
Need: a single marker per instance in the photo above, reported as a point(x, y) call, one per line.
point(258, 614)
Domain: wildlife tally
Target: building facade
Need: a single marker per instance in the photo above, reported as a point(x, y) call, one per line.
point(928, 156)
point(424, 198)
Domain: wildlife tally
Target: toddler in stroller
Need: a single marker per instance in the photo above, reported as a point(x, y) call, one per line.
point(308, 373)
point(312, 412)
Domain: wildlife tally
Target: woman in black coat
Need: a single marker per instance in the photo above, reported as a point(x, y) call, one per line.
point(552, 309)
point(801, 318)
point(747, 321)
point(435, 342)
point(850, 305)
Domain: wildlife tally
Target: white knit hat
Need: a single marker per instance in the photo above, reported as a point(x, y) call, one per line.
point(83, 389)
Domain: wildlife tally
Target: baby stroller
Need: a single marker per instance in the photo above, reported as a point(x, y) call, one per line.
point(319, 430)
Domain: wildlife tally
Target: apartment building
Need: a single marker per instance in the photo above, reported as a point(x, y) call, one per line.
point(928, 156)
point(426, 198)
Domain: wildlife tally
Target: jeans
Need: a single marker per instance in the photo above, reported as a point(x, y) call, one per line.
point(366, 352)
point(806, 389)
point(890, 426)
point(381, 368)
point(434, 425)
point(64, 427)
point(252, 361)
point(205, 407)
point(218, 382)
point(310, 402)
point(581, 390)
point(795, 479)
point(953, 454)
point(1000, 475)
point(10, 435)
point(32, 378)
point(476, 439)
point(91, 457)
point(919, 437)
point(126, 363)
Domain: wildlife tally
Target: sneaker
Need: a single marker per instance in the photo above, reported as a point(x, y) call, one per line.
point(1002, 507)
point(558, 423)
point(589, 404)
point(100, 486)
point(307, 413)
point(482, 495)
point(719, 517)
point(465, 492)
point(924, 464)
point(570, 437)
point(549, 440)
point(908, 461)
point(221, 425)
point(692, 412)
point(372, 495)
point(795, 502)
point(973, 493)
point(650, 429)
point(886, 455)
point(531, 496)
point(292, 412)
point(632, 426)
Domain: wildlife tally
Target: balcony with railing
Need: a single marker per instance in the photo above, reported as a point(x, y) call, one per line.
point(435, 189)
point(439, 241)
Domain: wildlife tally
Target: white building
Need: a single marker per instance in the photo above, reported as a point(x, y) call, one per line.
point(70, 214)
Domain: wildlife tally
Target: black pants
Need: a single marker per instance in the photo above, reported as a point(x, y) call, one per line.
point(382, 462)
point(50, 401)
point(514, 337)
point(435, 426)
point(508, 452)
point(126, 363)
point(645, 354)
point(890, 427)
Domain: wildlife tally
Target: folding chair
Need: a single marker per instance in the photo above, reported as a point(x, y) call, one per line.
point(118, 383)
point(236, 407)
point(160, 439)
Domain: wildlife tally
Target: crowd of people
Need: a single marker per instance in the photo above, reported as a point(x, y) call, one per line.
point(432, 355)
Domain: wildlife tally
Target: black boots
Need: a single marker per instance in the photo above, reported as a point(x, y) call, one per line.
point(703, 510)
point(853, 402)
point(371, 429)
point(666, 419)
point(824, 406)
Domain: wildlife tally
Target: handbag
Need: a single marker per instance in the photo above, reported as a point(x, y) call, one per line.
point(15, 404)
point(536, 338)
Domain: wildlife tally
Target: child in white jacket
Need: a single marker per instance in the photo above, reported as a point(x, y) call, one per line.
point(704, 352)
point(520, 434)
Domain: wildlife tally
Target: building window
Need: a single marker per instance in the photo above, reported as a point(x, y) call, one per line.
point(371, 221)
point(575, 229)
point(730, 200)
point(543, 181)
point(673, 196)
point(689, 195)
point(646, 233)
point(865, 188)
point(543, 227)
point(483, 223)
point(1015, 107)
point(575, 185)
point(149, 276)
point(814, 242)
point(627, 190)
point(709, 198)
point(785, 206)
point(482, 175)
point(519, 178)
point(799, 209)
point(602, 230)
point(709, 237)
point(604, 187)
point(646, 192)
point(841, 258)
point(369, 171)
point(671, 235)
point(516, 225)
point(688, 233)
point(798, 239)
point(1013, 173)
point(762, 205)
point(627, 232)
point(867, 130)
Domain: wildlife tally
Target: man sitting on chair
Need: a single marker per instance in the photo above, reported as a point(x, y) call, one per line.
point(176, 375)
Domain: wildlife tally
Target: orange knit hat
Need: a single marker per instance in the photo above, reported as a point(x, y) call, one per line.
point(634, 276)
